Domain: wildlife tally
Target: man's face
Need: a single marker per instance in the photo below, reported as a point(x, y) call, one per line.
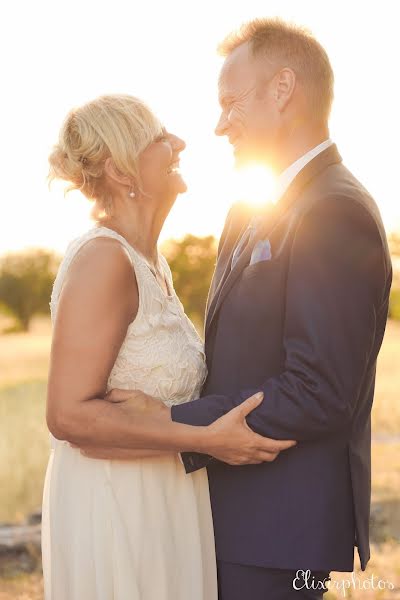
point(249, 115)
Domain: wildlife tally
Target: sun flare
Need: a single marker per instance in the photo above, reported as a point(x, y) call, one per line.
point(254, 184)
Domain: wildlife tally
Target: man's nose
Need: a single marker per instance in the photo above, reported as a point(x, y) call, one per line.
point(222, 125)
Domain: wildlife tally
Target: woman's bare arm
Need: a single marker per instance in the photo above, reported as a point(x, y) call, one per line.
point(98, 301)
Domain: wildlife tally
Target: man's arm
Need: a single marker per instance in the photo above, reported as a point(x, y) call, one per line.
point(335, 287)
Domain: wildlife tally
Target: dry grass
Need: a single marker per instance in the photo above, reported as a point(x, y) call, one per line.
point(23, 587)
point(385, 532)
point(386, 411)
point(25, 356)
point(383, 567)
point(24, 440)
point(24, 449)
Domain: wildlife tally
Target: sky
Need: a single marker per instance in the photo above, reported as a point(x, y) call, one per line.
point(58, 54)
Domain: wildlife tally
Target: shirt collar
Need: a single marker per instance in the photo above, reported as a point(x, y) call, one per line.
point(287, 176)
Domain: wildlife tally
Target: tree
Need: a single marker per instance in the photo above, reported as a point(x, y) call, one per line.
point(26, 280)
point(394, 244)
point(394, 307)
point(192, 262)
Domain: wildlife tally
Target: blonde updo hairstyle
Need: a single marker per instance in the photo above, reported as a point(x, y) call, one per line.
point(116, 126)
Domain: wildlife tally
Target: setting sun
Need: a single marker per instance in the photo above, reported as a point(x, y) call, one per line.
point(254, 184)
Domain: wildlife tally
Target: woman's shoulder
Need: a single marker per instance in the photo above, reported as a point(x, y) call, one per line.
point(104, 256)
point(97, 240)
point(98, 272)
point(95, 260)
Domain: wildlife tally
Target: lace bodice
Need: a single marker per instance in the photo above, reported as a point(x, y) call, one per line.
point(162, 353)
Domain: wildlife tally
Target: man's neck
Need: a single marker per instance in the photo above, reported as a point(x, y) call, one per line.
point(294, 148)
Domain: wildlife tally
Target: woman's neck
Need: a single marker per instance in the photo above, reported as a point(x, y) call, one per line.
point(140, 226)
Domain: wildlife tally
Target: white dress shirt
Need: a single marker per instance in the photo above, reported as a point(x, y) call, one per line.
point(288, 175)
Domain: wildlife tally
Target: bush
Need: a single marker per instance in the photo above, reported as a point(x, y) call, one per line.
point(192, 262)
point(394, 307)
point(26, 280)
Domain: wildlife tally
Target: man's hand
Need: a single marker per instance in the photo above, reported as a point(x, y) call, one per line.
point(228, 439)
point(233, 442)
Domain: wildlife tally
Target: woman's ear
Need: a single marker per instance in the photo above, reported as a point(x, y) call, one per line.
point(112, 172)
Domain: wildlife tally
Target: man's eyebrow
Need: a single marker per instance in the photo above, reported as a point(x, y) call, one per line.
point(225, 98)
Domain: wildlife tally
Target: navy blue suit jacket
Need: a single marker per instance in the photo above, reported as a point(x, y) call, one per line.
point(305, 328)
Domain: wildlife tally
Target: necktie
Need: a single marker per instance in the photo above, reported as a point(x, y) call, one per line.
point(246, 238)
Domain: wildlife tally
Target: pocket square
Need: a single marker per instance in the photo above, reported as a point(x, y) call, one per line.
point(261, 252)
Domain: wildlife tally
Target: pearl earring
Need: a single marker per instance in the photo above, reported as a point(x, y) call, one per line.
point(131, 193)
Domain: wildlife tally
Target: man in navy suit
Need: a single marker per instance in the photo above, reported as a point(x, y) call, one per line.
point(297, 309)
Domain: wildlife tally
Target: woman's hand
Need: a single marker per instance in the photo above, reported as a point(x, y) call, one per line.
point(232, 441)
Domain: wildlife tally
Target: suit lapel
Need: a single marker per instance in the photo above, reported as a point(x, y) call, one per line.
point(223, 266)
point(230, 275)
point(220, 275)
point(271, 217)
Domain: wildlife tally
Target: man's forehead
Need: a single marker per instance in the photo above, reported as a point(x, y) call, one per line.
point(238, 59)
point(242, 68)
point(236, 68)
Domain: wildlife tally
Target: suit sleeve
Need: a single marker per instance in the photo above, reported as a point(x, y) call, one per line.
point(335, 287)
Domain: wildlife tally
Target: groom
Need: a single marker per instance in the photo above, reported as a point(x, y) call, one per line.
point(297, 309)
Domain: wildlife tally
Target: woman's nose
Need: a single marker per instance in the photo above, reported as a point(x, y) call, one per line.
point(178, 144)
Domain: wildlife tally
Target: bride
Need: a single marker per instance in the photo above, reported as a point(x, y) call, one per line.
point(125, 522)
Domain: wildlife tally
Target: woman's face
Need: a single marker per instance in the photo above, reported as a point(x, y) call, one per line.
point(159, 167)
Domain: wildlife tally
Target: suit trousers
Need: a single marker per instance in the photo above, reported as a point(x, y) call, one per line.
point(242, 582)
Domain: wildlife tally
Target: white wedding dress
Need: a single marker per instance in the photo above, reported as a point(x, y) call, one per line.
point(137, 530)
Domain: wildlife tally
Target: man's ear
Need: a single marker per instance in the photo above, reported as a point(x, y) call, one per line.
point(112, 172)
point(285, 85)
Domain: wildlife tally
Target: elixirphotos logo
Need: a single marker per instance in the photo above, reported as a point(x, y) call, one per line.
point(305, 580)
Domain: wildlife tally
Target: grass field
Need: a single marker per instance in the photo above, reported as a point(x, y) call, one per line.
point(24, 440)
point(24, 448)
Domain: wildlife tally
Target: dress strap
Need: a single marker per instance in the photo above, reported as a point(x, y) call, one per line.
point(74, 248)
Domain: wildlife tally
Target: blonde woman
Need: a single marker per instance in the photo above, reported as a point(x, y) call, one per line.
point(123, 522)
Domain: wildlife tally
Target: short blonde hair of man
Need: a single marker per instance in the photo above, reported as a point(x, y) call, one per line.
point(294, 47)
point(117, 126)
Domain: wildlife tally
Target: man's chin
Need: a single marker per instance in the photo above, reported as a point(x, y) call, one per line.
point(245, 157)
point(242, 158)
